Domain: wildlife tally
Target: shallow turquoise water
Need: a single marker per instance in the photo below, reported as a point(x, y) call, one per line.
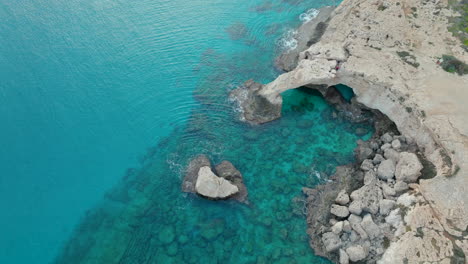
point(87, 86)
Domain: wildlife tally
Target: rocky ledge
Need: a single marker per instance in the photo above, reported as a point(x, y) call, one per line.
point(388, 52)
point(227, 183)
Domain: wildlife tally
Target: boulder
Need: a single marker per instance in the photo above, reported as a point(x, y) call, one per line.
point(386, 206)
point(408, 168)
point(188, 184)
point(356, 253)
point(386, 138)
point(392, 154)
point(378, 159)
point(337, 228)
point(344, 258)
point(406, 200)
point(386, 170)
point(331, 241)
point(369, 197)
point(367, 165)
point(211, 186)
point(370, 227)
point(396, 144)
point(388, 191)
point(342, 198)
point(400, 187)
point(355, 207)
point(346, 226)
point(339, 210)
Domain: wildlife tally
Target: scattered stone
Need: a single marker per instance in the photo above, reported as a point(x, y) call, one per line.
point(370, 227)
point(370, 177)
point(337, 228)
point(388, 191)
point(406, 199)
point(386, 138)
point(386, 170)
point(385, 146)
point(378, 159)
point(355, 207)
point(342, 198)
point(400, 187)
point(408, 168)
point(363, 151)
point(394, 218)
point(367, 165)
point(339, 210)
point(346, 226)
point(396, 144)
point(353, 236)
point(344, 258)
point(356, 253)
point(392, 154)
point(211, 186)
point(369, 196)
point(331, 241)
point(386, 206)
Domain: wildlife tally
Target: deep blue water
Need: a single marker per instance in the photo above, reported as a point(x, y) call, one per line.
point(88, 87)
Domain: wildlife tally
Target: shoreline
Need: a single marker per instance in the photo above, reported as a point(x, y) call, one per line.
point(364, 47)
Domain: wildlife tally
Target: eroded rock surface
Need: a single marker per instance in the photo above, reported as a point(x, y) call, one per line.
point(387, 52)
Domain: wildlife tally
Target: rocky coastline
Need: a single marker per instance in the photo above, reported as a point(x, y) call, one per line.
point(404, 200)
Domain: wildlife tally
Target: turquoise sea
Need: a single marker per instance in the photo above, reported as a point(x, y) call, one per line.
point(104, 102)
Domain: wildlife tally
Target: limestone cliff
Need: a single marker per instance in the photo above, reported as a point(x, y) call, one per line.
point(388, 52)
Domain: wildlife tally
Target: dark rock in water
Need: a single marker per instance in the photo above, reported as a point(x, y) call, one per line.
point(199, 172)
point(188, 184)
point(361, 131)
point(255, 108)
point(308, 34)
point(227, 171)
point(167, 235)
point(305, 123)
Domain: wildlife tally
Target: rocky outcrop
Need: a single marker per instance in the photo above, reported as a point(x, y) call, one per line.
point(255, 107)
point(226, 184)
point(213, 187)
point(372, 213)
point(387, 52)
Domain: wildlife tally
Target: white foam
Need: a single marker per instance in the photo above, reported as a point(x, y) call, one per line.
point(288, 41)
point(309, 15)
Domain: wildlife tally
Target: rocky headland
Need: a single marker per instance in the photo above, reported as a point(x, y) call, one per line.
point(227, 183)
point(404, 200)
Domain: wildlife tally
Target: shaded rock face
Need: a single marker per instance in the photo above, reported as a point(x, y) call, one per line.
point(227, 171)
point(211, 186)
point(255, 107)
point(227, 183)
point(188, 184)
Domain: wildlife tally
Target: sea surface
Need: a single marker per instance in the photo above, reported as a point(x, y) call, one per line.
point(104, 102)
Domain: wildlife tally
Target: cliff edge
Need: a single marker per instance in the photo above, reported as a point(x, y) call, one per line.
point(390, 53)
